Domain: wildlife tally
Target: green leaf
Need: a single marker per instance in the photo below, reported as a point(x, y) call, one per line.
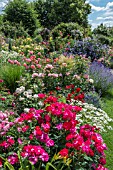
point(48, 165)
point(9, 165)
point(20, 160)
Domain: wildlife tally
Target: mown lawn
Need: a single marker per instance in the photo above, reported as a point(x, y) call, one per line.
point(108, 137)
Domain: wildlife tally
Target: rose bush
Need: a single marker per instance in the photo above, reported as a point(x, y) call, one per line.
point(50, 137)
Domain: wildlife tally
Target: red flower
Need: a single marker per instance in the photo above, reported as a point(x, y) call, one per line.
point(67, 125)
point(68, 87)
point(41, 95)
point(31, 136)
point(38, 131)
point(70, 136)
point(25, 128)
point(64, 152)
point(81, 96)
point(3, 99)
point(46, 127)
point(69, 145)
point(1, 81)
point(58, 88)
point(11, 141)
point(102, 161)
point(47, 118)
point(51, 99)
point(78, 90)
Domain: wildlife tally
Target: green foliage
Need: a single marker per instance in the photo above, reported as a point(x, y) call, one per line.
point(72, 29)
point(44, 32)
point(53, 12)
point(1, 19)
point(13, 30)
point(11, 74)
point(102, 29)
point(104, 34)
point(18, 11)
point(38, 39)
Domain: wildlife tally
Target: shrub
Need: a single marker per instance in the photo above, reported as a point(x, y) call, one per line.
point(90, 48)
point(38, 39)
point(52, 13)
point(13, 30)
point(21, 11)
point(72, 29)
point(102, 76)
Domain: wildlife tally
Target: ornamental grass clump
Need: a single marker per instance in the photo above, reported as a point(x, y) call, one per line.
point(10, 75)
point(49, 138)
point(102, 76)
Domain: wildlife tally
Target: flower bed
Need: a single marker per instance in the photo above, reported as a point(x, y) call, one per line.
point(50, 137)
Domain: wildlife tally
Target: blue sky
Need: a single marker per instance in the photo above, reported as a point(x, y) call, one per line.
point(102, 12)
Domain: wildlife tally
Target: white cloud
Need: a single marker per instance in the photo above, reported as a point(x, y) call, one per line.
point(2, 4)
point(97, 8)
point(105, 18)
point(92, 1)
point(90, 20)
point(99, 18)
point(109, 6)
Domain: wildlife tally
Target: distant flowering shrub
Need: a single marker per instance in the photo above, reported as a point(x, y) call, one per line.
point(102, 76)
point(90, 48)
point(50, 137)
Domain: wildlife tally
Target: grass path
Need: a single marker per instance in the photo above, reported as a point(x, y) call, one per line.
point(108, 137)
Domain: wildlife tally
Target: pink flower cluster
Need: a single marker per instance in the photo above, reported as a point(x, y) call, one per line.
point(33, 153)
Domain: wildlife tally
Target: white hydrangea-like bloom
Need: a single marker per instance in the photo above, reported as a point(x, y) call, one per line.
point(93, 116)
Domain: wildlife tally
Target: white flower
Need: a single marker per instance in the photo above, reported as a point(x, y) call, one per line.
point(29, 91)
point(40, 103)
point(35, 96)
point(26, 110)
point(29, 96)
point(21, 98)
point(20, 90)
point(91, 81)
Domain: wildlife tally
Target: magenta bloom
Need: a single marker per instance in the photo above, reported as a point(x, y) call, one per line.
point(34, 152)
point(12, 159)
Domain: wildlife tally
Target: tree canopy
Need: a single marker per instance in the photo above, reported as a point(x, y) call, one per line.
point(18, 11)
point(53, 12)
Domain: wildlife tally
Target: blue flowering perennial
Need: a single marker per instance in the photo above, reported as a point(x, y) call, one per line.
point(90, 48)
point(102, 76)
